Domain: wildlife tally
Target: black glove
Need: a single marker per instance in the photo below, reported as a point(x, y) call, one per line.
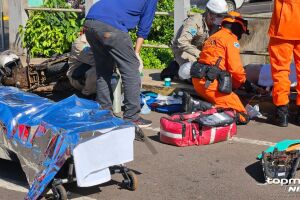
point(248, 86)
point(251, 87)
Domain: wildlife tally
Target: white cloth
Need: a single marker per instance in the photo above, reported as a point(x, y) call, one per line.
point(265, 76)
point(184, 71)
point(92, 157)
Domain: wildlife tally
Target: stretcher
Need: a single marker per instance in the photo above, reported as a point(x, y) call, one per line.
point(58, 143)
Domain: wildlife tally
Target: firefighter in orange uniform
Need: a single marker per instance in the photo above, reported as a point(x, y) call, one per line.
point(223, 47)
point(284, 32)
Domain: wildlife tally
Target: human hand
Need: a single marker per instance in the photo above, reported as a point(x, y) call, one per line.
point(141, 66)
point(259, 90)
point(251, 87)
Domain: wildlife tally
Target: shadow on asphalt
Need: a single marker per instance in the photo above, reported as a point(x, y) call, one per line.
point(11, 171)
point(155, 76)
point(155, 138)
point(255, 171)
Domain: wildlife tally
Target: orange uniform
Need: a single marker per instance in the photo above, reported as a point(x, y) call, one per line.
point(222, 44)
point(284, 32)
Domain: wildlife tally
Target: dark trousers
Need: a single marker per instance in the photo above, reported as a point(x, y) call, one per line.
point(112, 46)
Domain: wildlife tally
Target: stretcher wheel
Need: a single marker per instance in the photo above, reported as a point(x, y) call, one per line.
point(60, 192)
point(133, 183)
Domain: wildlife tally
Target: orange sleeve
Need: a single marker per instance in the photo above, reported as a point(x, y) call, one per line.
point(234, 65)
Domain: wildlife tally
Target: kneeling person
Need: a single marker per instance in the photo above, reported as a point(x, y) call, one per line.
point(221, 54)
point(82, 68)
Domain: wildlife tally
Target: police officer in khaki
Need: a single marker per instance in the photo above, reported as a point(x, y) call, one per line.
point(82, 68)
point(187, 44)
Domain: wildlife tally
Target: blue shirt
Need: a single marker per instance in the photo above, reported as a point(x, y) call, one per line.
point(125, 14)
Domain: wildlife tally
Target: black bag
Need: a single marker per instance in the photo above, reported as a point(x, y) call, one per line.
point(198, 70)
point(217, 119)
point(212, 74)
point(225, 82)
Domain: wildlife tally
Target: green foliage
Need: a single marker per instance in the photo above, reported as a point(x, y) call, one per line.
point(154, 58)
point(161, 33)
point(197, 10)
point(49, 33)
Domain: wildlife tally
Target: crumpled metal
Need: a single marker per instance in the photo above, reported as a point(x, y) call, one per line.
point(42, 133)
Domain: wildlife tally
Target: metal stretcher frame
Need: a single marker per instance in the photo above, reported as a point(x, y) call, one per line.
point(44, 136)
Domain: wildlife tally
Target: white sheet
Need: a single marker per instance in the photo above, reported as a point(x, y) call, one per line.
point(93, 157)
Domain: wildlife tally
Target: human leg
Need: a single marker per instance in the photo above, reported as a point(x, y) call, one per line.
point(281, 52)
point(104, 62)
point(123, 53)
point(297, 65)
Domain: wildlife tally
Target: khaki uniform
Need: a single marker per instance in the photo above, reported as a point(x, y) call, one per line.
point(80, 54)
point(187, 44)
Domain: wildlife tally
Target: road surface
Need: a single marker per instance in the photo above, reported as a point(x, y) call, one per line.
point(227, 170)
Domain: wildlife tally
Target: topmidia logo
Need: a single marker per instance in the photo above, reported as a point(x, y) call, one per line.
point(293, 184)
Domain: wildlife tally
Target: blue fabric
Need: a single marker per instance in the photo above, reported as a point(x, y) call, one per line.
point(281, 146)
point(29, 118)
point(125, 14)
point(156, 105)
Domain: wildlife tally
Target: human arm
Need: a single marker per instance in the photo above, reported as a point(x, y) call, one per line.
point(188, 34)
point(146, 19)
point(138, 47)
point(234, 64)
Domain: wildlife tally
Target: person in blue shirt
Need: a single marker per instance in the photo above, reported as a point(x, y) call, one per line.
point(106, 28)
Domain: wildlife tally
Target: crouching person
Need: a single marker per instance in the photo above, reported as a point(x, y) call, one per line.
point(219, 68)
point(82, 68)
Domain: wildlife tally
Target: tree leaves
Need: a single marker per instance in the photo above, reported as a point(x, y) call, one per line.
point(161, 33)
point(49, 33)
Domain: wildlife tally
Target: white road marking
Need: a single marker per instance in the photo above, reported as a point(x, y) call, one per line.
point(153, 129)
point(235, 139)
point(17, 187)
point(251, 141)
point(9, 185)
point(82, 198)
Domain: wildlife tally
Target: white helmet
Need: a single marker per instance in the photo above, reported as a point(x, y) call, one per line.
point(7, 58)
point(217, 6)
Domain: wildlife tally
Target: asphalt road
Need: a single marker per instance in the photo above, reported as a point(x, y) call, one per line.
point(257, 7)
point(227, 170)
point(253, 7)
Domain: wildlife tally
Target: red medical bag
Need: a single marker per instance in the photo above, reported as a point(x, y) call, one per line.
point(198, 128)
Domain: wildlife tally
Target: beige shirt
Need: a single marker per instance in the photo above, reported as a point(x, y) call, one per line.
point(81, 53)
point(187, 44)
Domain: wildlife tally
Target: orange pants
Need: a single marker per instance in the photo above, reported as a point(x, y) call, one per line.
point(212, 95)
point(281, 53)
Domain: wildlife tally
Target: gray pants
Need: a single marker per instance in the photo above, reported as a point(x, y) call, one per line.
point(112, 46)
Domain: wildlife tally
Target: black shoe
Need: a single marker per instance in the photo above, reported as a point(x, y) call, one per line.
point(142, 123)
point(282, 116)
point(171, 71)
point(189, 104)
